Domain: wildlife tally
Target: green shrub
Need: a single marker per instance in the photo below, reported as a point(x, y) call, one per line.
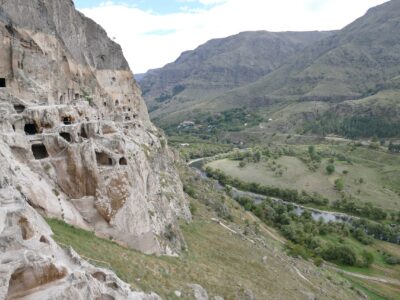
point(341, 254)
point(368, 258)
point(339, 184)
point(318, 261)
point(391, 260)
point(330, 169)
point(192, 208)
point(190, 191)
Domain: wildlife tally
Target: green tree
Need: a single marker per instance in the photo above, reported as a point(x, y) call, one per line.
point(339, 184)
point(257, 156)
point(311, 150)
point(330, 169)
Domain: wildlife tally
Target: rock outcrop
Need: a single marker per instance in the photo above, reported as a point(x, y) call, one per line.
point(33, 266)
point(76, 144)
point(73, 119)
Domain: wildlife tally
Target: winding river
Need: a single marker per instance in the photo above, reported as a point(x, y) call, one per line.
point(316, 214)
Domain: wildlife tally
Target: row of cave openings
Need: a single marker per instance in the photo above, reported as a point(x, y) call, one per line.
point(116, 103)
point(103, 159)
point(31, 128)
point(40, 152)
point(124, 108)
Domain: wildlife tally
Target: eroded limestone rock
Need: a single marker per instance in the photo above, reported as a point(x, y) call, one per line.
point(33, 266)
point(73, 125)
point(76, 144)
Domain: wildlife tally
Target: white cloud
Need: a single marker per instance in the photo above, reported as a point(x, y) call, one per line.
point(150, 40)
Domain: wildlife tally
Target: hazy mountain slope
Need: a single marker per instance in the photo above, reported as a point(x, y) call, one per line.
point(355, 62)
point(220, 65)
point(360, 61)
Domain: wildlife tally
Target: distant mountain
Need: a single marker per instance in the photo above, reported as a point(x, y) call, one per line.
point(345, 82)
point(357, 61)
point(353, 74)
point(139, 77)
point(219, 66)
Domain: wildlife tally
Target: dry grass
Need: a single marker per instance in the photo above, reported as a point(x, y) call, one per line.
point(223, 263)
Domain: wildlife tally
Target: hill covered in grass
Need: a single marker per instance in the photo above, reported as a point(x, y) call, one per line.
point(345, 83)
point(230, 253)
point(218, 66)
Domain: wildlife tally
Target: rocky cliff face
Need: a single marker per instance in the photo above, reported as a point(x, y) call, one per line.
point(76, 142)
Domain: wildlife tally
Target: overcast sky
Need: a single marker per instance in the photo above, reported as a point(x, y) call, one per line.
point(153, 33)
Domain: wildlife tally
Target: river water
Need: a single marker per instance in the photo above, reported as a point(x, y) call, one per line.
point(316, 214)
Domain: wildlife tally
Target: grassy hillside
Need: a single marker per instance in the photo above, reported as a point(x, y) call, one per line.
point(359, 62)
point(346, 83)
point(374, 168)
point(218, 66)
point(228, 264)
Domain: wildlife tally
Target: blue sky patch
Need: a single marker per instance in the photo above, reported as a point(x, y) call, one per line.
point(156, 6)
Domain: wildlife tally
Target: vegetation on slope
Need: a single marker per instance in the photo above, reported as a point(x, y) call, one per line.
point(346, 83)
point(225, 264)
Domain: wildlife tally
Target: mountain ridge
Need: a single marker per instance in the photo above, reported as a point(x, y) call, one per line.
point(220, 65)
point(357, 62)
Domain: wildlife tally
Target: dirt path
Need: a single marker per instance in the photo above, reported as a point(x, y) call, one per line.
point(265, 229)
point(366, 277)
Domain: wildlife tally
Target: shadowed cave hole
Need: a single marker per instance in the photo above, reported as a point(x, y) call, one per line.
point(2, 82)
point(123, 161)
point(19, 108)
point(100, 276)
point(66, 136)
point(103, 159)
point(39, 151)
point(30, 129)
point(83, 133)
point(67, 120)
point(43, 239)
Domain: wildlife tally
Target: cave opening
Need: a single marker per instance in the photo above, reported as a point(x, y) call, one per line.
point(66, 136)
point(103, 159)
point(19, 108)
point(30, 129)
point(2, 82)
point(67, 120)
point(123, 161)
point(83, 133)
point(39, 151)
